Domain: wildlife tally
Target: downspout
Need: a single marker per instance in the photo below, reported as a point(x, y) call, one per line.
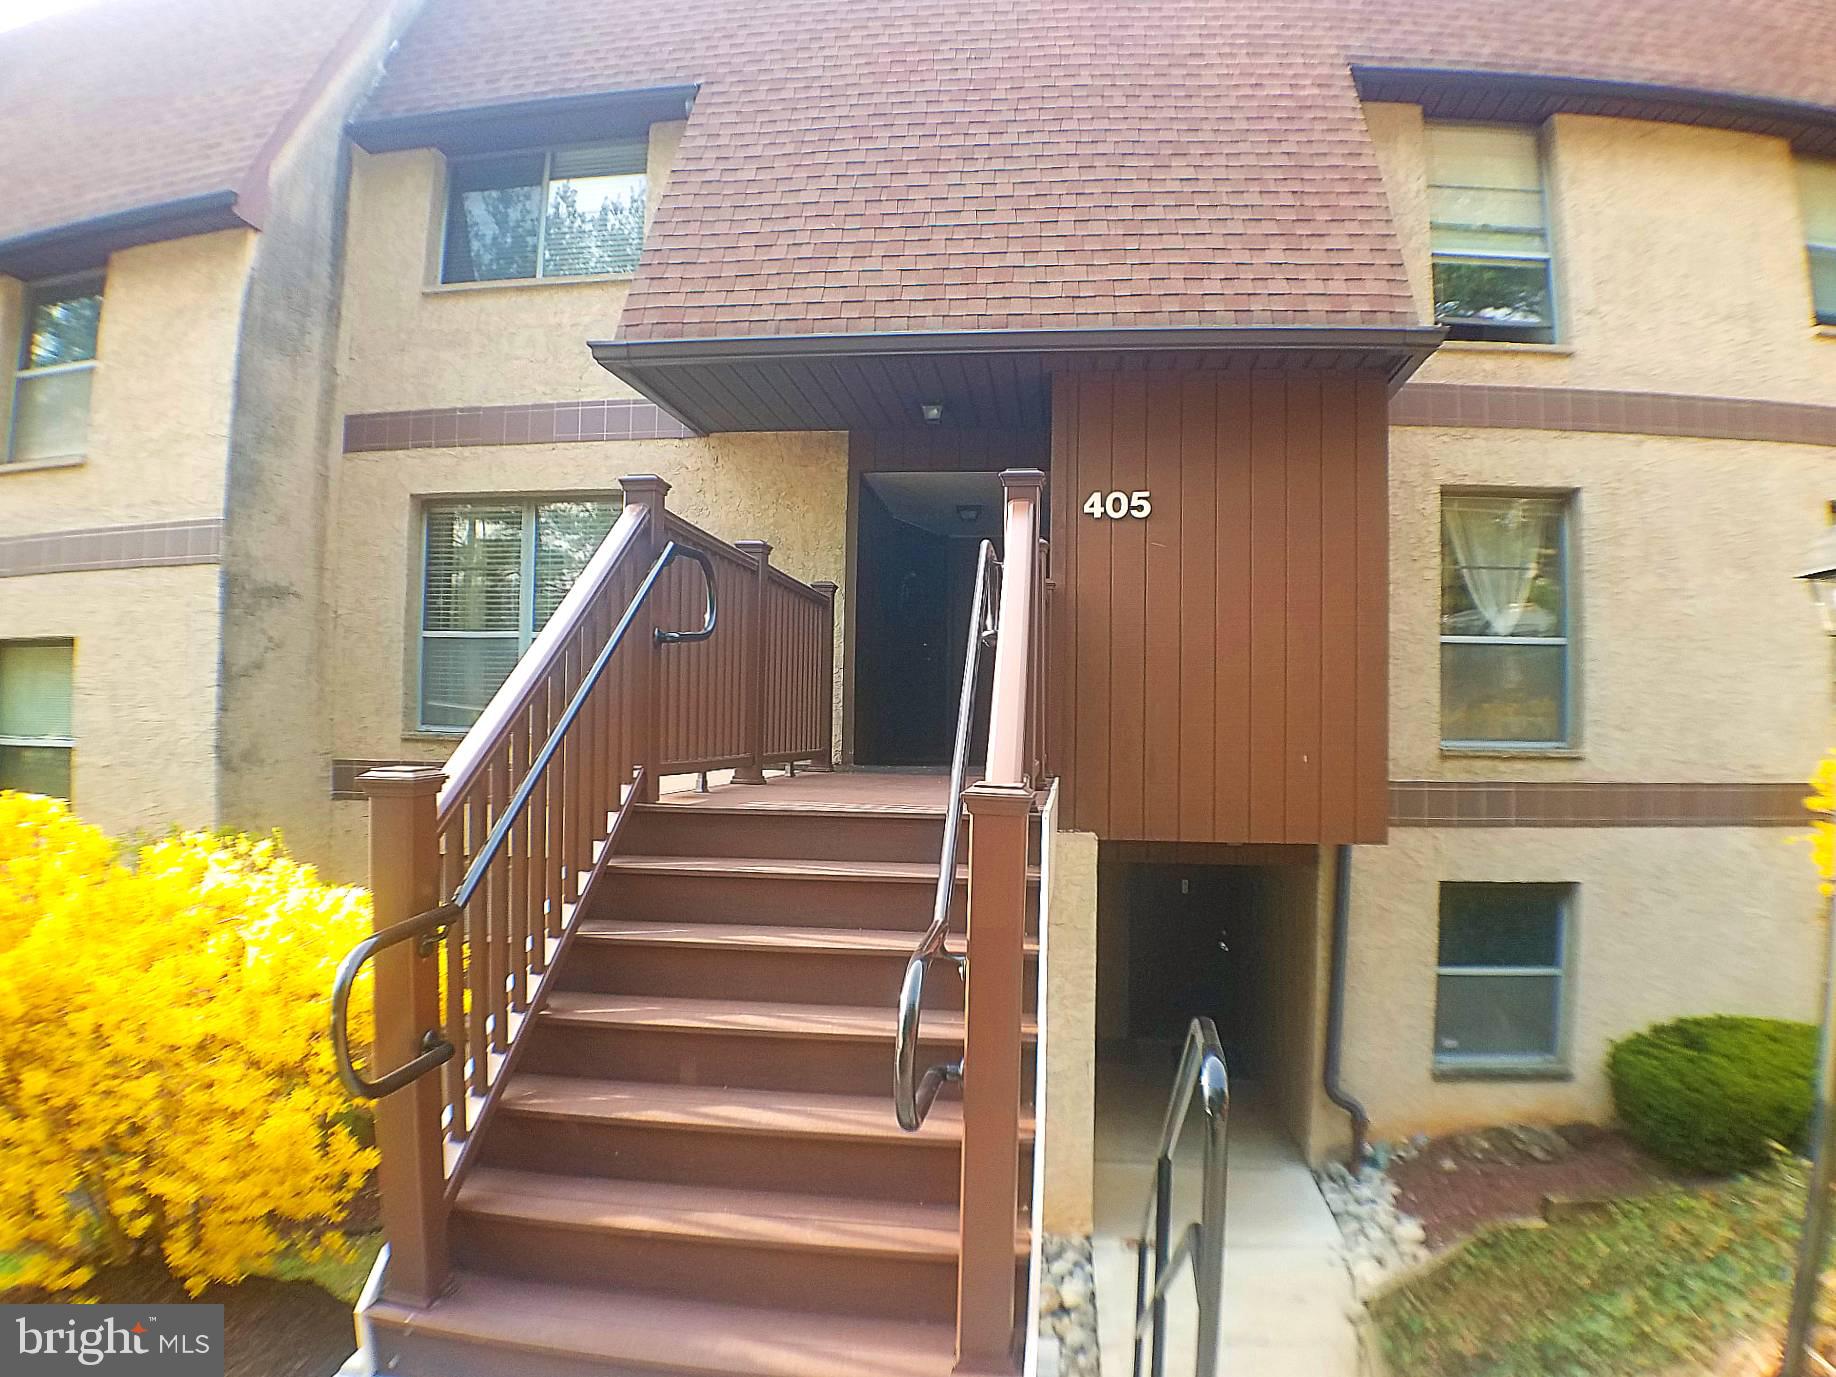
point(1335, 1008)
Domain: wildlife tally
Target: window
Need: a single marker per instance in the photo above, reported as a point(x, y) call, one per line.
point(574, 212)
point(35, 741)
point(1817, 184)
point(1490, 233)
point(57, 359)
point(1504, 621)
point(1500, 976)
point(494, 573)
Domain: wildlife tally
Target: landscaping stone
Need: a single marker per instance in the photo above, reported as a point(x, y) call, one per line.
point(1380, 1240)
point(1067, 1304)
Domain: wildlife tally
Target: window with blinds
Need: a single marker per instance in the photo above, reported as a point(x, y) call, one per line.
point(1501, 977)
point(1817, 188)
point(569, 212)
point(57, 360)
point(1489, 224)
point(493, 574)
point(35, 716)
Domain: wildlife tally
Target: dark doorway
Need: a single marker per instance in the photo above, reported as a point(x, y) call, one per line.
point(915, 558)
point(1198, 944)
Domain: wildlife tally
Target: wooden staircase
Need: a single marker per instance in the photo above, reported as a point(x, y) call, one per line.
point(694, 1167)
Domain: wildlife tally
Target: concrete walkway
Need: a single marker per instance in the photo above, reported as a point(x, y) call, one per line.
point(1287, 1295)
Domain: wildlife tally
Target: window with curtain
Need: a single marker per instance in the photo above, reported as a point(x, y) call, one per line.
point(57, 360)
point(1817, 188)
point(1489, 229)
point(1500, 977)
point(569, 212)
point(1504, 620)
point(493, 574)
point(35, 718)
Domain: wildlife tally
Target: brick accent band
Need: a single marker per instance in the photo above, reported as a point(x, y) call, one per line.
point(147, 546)
point(537, 423)
point(1450, 803)
point(1631, 413)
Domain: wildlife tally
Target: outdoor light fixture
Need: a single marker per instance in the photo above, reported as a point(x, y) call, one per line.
point(968, 512)
point(1819, 576)
point(932, 412)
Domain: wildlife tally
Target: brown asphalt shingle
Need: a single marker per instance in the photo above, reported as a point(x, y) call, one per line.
point(133, 103)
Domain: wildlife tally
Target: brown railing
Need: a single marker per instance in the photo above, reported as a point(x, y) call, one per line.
point(662, 659)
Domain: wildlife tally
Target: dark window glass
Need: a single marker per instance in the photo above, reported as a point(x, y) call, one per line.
point(493, 218)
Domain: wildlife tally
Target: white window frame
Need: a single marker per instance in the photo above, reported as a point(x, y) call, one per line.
point(548, 164)
point(1565, 502)
point(525, 632)
point(23, 372)
point(1504, 1064)
point(1547, 257)
point(67, 744)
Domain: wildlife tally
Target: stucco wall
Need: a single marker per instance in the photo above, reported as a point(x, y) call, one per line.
point(1697, 657)
point(411, 343)
point(144, 687)
point(1070, 1128)
point(1680, 262)
point(1667, 921)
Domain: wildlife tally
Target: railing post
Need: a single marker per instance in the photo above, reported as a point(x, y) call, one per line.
point(648, 491)
point(753, 681)
point(404, 882)
point(993, 1003)
point(1007, 703)
point(826, 761)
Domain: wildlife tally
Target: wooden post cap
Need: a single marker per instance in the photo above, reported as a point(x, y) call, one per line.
point(1022, 479)
point(644, 487)
point(998, 800)
point(402, 779)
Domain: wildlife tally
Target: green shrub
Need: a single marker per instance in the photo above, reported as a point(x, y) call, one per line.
point(1709, 1094)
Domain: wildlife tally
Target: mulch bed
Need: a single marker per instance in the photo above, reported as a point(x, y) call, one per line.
point(1458, 1183)
point(270, 1328)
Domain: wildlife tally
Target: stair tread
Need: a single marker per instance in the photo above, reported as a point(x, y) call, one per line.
point(682, 1013)
point(762, 937)
point(773, 1219)
point(898, 872)
point(781, 1113)
point(687, 1336)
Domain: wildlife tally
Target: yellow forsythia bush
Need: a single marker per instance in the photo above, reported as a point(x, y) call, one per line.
point(166, 1079)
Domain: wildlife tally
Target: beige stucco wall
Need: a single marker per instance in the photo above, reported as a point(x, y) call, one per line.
point(411, 343)
point(144, 687)
point(1680, 262)
point(1070, 1031)
point(1697, 657)
point(161, 397)
point(1667, 921)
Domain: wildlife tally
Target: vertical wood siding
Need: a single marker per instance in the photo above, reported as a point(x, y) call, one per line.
point(1221, 665)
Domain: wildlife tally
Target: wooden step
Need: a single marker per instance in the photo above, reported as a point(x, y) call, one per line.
point(790, 1250)
point(885, 895)
point(790, 831)
point(487, 1326)
point(740, 1138)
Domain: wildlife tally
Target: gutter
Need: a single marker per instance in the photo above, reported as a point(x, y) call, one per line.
point(1335, 1009)
point(123, 222)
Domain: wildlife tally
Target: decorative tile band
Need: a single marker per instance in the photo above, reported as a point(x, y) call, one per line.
point(1450, 803)
point(537, 423)
point(1633, 413)
point(344, 774)
point(147, 546)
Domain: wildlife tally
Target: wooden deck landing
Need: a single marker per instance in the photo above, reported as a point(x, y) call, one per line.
point(825, 791)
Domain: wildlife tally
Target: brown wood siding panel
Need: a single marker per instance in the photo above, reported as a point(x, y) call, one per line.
point(1223, 660)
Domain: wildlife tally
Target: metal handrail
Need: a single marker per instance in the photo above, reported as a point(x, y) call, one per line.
point(431, 926)
point(1201, 1070)
point(913, 1095)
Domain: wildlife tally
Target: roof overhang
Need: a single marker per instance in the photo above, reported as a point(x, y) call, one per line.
point(528, 123)
point(1465, 93)
point(83, 244)
point(981, 378)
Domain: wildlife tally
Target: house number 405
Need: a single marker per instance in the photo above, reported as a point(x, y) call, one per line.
point(1116, 505)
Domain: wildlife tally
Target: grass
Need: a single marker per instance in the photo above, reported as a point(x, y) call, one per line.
point(1650, 1285)
point(343, 1277)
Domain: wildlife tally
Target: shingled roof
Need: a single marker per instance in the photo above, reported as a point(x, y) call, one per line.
point(965, 165)
point(151, 108)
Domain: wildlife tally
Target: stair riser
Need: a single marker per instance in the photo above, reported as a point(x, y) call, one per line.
point(921, 1170)
point(401, 1353)
point(880, 905)
point(767, 976)
point(829, 1066)
point(913, 839)
point(790, 1279)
